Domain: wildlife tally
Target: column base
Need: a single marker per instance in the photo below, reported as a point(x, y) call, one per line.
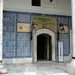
point(2, 69)
point(71, 68)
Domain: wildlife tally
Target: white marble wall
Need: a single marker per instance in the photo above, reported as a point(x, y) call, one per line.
point(1, 27)
point(73, 26)
point(71, 65)
point(71, 43)
point(17, 60)
point(27, 60)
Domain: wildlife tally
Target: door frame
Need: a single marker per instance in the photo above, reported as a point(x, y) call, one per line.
point(46, 47)
point(34, 43)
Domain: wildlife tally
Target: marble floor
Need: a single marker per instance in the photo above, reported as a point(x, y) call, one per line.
point(40, 68)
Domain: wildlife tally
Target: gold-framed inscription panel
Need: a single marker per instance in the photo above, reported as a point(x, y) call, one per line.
point(45, 22)
point(23, 27)
point(64, 29)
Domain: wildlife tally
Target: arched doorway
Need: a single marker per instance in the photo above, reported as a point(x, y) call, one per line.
point(44, 50)
point(34, 42)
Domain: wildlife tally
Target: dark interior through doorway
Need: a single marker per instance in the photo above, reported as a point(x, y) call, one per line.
point(44, 48)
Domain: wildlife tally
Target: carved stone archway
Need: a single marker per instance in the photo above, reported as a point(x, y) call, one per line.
point(35, 34)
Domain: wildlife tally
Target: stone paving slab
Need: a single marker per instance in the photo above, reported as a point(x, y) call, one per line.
point(3, 74)
point(16, 74)
point(30, 73)
point(60, 74)
point(33, 73)
point(52, 68)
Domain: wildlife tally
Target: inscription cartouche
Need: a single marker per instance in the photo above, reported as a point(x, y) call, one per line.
point(44, 22)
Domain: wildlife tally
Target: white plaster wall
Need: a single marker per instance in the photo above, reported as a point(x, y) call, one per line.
point(62, 7)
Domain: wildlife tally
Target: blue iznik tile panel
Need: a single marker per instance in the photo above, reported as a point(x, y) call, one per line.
point(8, 46)
point(70, 23)
point(63, 19)
point(15, 44)
point(23, 39)
point(65, 38)
point(22, 17)
point(66, 43)
point(23, 45)
point(9, 34)
point(18, 44)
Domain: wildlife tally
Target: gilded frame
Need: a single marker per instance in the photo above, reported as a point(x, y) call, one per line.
point(23, 27)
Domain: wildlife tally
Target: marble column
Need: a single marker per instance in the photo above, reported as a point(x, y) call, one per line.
point(2, 68)
point(71, 65)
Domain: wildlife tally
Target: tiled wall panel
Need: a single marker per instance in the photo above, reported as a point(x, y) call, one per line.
point(70, 23)
point(62, 19)
point(65, 38)
point(22, 17)
point(23, 45)
point(18, 44)
point(15, 44)
point(23, 39)
point(9, 34)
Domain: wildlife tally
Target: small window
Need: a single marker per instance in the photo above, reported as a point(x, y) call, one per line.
point(36, 3)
